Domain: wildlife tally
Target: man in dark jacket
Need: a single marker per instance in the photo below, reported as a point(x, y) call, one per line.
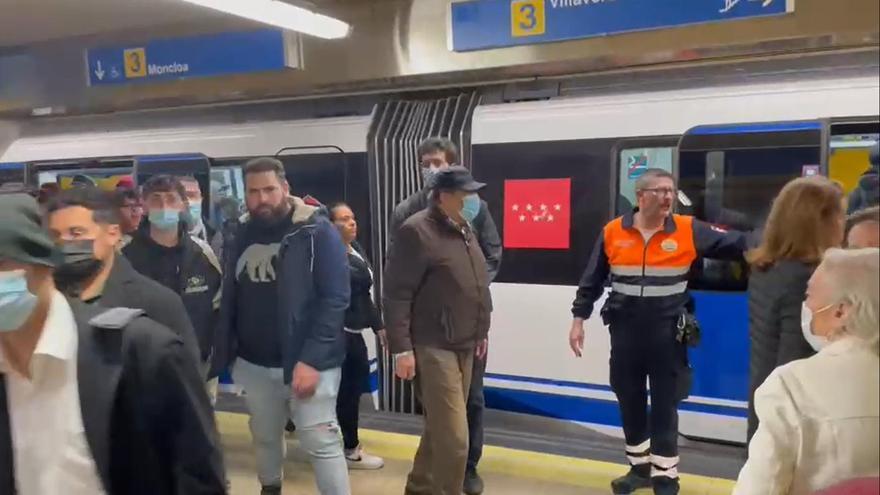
point(91, 400)
point(436, 154)
point(163, 250)
point(436, 301)
point(284, 300)
point(85, 224)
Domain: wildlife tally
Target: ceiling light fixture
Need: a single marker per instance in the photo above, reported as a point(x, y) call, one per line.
point(280, 14)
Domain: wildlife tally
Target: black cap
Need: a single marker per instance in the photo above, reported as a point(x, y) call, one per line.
point(456, 178)
point(22, 236)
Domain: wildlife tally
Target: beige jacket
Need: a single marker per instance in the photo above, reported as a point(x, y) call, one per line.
point(819, 423)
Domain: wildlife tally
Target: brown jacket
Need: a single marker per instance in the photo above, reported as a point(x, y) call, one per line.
point(436, 289)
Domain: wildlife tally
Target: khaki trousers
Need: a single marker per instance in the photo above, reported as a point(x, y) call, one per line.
point(443, 379)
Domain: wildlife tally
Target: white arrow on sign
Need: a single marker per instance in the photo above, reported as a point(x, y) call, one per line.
point(99, 72)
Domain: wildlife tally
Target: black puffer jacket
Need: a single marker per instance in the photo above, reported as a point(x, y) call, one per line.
point(776, 297)
point(362, 311)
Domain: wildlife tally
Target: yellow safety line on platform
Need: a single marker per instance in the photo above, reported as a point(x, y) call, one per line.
point(516, 463)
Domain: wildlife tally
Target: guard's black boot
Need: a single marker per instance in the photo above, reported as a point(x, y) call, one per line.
point(664, 486)
point(637, 477)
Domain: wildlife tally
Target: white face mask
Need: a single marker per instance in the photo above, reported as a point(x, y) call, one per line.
point(817, 342)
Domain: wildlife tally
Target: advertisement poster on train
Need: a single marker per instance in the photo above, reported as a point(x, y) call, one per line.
point(537, 213)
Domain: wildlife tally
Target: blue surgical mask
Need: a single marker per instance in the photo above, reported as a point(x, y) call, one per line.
point(195, 211)
point(17, 304)
point(471, 208)
point(164, 219)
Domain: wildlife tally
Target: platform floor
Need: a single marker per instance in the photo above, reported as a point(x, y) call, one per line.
point(506, 471)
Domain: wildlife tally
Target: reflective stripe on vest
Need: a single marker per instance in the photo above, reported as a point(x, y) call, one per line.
point(658, 269)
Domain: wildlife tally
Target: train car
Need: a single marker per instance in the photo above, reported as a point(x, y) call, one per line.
point(558, 170)
point(732, 147)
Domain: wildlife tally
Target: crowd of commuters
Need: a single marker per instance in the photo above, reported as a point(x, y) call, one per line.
point(119, 310)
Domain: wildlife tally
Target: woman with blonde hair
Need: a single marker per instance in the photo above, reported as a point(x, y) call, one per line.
point(806, 219)
point(820, 417)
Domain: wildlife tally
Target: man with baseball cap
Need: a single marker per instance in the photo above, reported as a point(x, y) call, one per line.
point(436, 300)
point(93, 401)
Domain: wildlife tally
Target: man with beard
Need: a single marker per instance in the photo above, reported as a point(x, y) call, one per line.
point(85, 224)
point(285, 293)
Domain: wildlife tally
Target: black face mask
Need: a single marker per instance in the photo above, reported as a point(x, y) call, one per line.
point(79, 265)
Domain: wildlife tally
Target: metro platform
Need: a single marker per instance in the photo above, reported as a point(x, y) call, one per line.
point(523, 455)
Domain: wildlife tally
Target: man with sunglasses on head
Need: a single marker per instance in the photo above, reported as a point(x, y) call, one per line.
point(648, 253)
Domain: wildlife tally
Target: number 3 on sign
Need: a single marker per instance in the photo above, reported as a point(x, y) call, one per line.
point(135, 62)
point(527, 18)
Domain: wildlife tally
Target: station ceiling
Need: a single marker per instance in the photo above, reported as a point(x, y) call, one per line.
point(27, 22)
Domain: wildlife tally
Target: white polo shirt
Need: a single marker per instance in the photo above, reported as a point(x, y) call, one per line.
point(51, 452)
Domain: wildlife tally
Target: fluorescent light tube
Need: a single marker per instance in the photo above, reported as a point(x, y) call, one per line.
point(282, 15)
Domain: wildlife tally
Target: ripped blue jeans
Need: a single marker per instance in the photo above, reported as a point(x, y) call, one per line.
point(271, 402)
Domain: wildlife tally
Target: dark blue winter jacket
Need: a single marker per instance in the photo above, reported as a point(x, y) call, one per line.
point(313, 294)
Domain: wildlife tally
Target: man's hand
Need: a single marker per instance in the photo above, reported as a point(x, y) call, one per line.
point(576, 337)
point(405, 365)
point(383, 338)
point(482, 349)
point(305, 380)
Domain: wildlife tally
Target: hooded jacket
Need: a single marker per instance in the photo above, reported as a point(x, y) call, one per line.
point(313, 288)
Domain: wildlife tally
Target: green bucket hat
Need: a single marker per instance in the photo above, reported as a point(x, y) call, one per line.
point(22, 236)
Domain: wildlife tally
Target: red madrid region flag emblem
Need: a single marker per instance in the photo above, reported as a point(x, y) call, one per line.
point(537, 213)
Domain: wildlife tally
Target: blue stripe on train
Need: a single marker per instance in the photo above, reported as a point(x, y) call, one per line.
point(582, 409)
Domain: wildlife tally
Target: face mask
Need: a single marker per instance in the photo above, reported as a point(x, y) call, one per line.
point(79, 265)
point(17, 304)
point(817, 342)
point(471, 208)
point(195, 211)
point(428, 174)
point(165, 219)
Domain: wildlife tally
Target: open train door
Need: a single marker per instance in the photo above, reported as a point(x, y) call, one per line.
point(731, 174)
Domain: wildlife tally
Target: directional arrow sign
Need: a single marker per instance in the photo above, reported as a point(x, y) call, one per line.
point(99, 71)
point(195, 56)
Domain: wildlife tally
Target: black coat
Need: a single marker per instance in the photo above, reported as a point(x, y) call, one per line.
point(362, 311)
point(776, 298)
point(148, 421)
point(198, 281)
point(126, 288)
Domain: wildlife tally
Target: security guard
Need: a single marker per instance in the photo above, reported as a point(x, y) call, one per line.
point(648, 254)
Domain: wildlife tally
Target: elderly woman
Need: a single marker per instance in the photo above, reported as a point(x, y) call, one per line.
point(820, 417)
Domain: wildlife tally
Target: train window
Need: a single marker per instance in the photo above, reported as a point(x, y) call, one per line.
point(12, 176)
point(848, 149)
point(227, 195)
point(632, 162)
point(732, 173)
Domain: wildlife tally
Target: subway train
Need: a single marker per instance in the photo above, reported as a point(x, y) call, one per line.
point(558, 169)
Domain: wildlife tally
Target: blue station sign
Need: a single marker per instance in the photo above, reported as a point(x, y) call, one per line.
point(195, 56)
point(484, 24)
